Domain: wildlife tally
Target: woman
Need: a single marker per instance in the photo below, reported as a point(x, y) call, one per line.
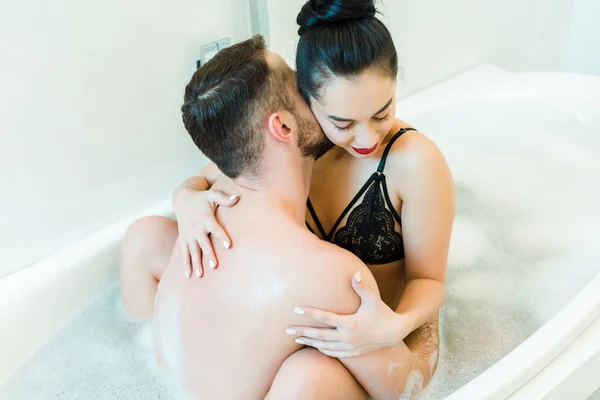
point(384, 192)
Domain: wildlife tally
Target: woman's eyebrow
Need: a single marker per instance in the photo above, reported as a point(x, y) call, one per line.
point(333, 117)
point(384, 107)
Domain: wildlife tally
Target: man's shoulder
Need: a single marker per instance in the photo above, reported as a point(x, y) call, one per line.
point(326, 276)
point(302, 251)
point(328, 252)
point(317, 249)
point(319, 255)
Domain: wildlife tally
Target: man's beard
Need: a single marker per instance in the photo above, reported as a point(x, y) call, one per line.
point(311, 139)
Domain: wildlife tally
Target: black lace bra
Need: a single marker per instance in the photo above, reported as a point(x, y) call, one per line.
point(369, 231)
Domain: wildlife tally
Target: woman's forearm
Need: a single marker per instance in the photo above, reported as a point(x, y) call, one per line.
point(201, 182)
point(420, 301)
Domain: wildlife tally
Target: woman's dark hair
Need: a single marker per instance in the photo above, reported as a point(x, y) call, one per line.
point(341, 38)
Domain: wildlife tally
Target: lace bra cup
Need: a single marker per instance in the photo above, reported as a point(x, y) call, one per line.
point(369, 232)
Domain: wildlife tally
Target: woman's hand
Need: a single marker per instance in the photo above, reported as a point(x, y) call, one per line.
point(195, 212)
point(373, 326)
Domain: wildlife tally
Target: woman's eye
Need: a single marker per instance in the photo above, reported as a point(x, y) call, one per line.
point(342, 128)
point(382, 119)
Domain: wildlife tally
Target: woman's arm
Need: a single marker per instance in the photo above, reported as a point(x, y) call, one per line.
point(195, 204)
point(198, 183)
point(386, 370)
point(427, 217)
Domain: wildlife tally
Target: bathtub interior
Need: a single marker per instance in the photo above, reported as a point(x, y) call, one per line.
point(523, 246)
point(525, 235)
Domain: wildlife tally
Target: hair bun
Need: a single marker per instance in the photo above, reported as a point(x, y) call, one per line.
point(323, 12)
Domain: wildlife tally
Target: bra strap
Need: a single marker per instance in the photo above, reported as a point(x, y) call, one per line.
point(315, 218)
point(389, 146)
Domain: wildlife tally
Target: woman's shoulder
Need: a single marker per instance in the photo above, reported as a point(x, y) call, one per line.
point(412, 154)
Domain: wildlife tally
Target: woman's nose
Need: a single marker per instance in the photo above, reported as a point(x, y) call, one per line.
point(367, 138)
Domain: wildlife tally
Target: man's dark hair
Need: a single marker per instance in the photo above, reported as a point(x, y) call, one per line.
point(227, 103)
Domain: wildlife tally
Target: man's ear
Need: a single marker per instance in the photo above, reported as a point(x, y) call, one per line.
point(280, 126)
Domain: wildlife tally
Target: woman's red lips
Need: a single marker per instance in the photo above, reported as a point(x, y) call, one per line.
point(365, 151)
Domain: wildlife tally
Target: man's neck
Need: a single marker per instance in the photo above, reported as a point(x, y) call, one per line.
point(284, 184)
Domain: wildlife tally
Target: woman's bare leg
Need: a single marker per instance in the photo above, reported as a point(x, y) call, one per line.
point(399, 372)
point(310, 375)
point(145, 253)
point(424, 344)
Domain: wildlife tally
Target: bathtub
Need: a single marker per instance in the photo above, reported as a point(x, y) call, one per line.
point(522, 314)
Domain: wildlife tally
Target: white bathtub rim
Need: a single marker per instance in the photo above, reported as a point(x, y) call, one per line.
point(520, 365)
point(487, 83)
point(35, 302)
point(571, 375)
point(79, 250)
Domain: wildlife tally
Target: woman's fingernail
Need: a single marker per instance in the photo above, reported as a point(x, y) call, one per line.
point(235, 196)
point(212, 264)
point(188, 273)
point(226, 244)
point(300, 341)
point(291, 331)
point(299, 311)
point(197, 272)
point(358, 277)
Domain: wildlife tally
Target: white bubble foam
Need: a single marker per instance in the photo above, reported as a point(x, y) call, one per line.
point(393, 365)
point(468, 243)
point(432, 361)
point(414, 386)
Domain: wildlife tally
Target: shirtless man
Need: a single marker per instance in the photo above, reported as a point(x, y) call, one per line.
point(224, 337)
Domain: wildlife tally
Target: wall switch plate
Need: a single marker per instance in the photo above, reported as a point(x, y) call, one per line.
point(208, 51)
point(223, 43)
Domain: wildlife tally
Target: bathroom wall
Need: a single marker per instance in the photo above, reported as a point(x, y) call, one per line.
point(90, 128)
point(283, 28)
point(437, 38)
point(582, 54)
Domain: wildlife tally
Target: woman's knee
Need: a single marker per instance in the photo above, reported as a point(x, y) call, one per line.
point(148, 240)
point(145, 252)
point(309, 374)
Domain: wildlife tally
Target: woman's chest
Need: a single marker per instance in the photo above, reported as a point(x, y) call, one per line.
point(353, 208)
point(334, 185)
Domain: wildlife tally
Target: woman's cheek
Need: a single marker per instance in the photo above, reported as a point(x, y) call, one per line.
point(388, 125)
point(337, 138)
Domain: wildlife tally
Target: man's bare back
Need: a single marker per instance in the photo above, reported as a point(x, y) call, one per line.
point(224, 336)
